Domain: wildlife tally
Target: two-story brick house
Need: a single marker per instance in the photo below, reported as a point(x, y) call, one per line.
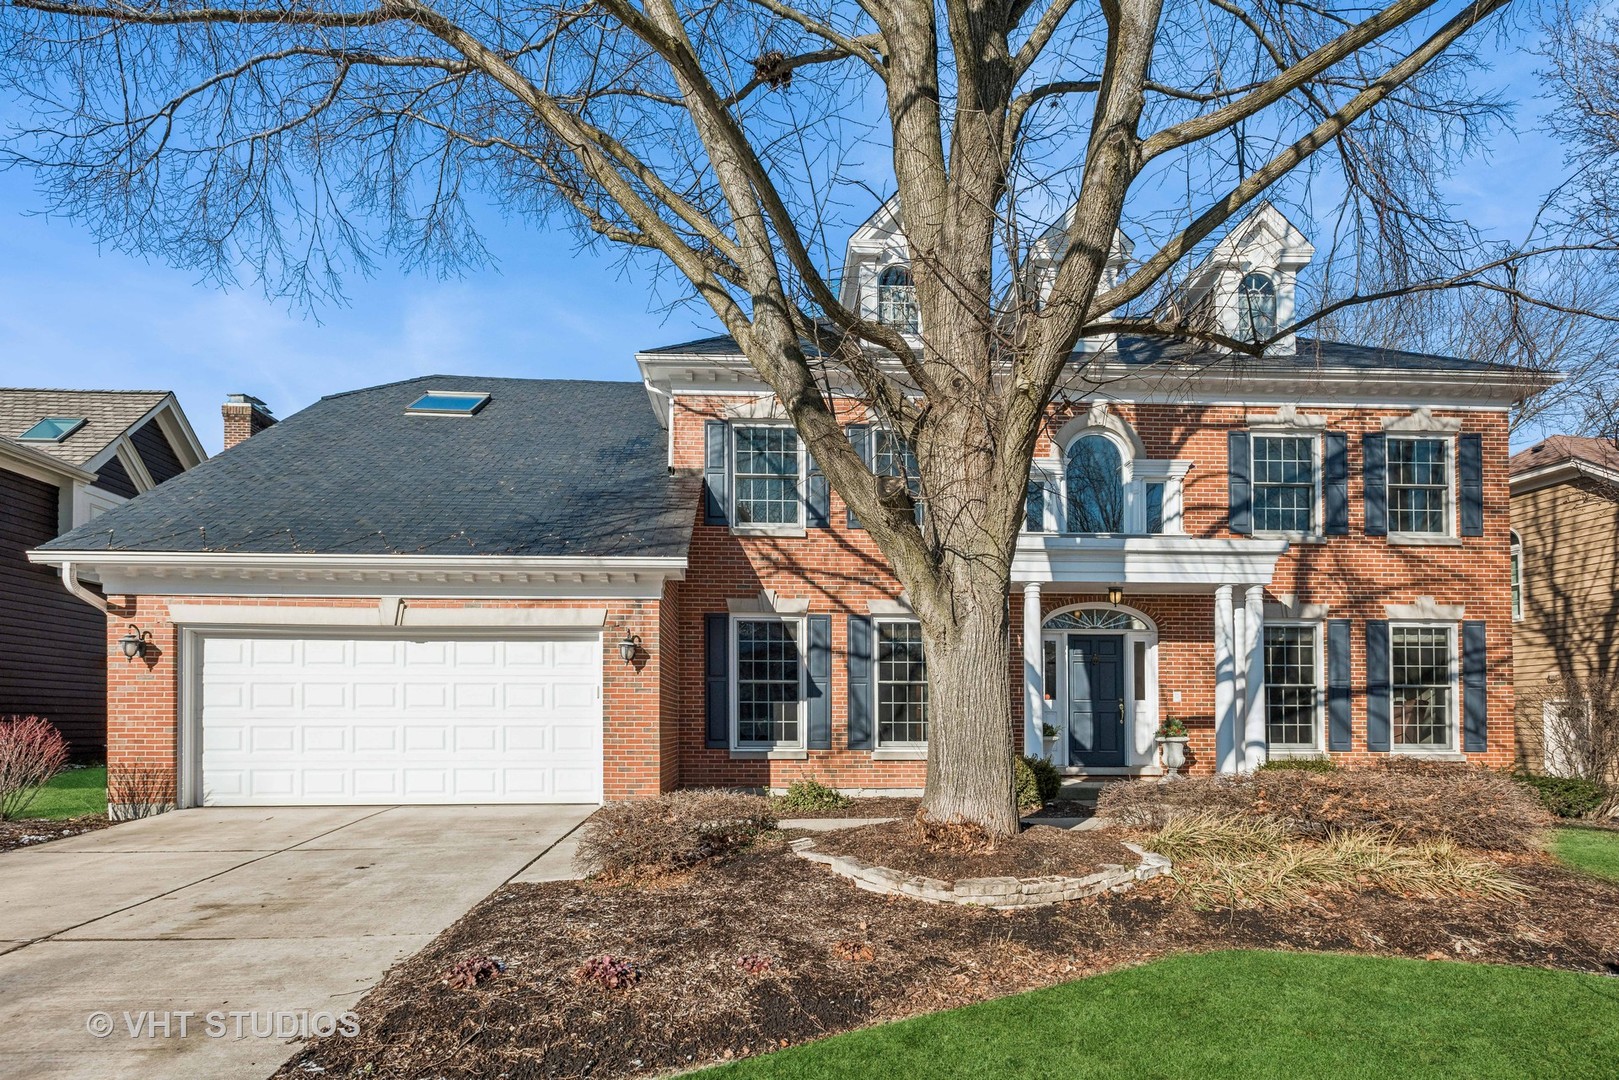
point(507, 589)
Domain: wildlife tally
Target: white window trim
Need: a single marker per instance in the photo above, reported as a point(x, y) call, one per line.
point(1449, 531)
point(1552, 762)
point(1453, 720)
point(755, 528)
point(1317, 533)
point(1317, 746)
point(1135, 474)
point(1516, 564)
point(878, 743)
point(737, 745)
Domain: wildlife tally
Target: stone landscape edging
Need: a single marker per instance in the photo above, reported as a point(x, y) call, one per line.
point(1000, 893)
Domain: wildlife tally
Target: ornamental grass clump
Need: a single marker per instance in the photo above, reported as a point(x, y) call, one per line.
point(1403, 802)
point(1225, 860)
point(674, 832)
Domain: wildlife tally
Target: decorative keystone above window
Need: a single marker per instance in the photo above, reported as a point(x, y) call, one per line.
point(52, 429)
point(447, 403)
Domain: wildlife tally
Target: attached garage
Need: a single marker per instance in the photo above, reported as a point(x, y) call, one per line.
point(295, 719)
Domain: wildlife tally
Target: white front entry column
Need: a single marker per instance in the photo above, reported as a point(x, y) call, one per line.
point(1034, 690)
point(1253, 705)
point(1225, 682)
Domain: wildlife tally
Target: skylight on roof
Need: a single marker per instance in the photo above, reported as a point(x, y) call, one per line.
point(447, 403)
point(52, 429)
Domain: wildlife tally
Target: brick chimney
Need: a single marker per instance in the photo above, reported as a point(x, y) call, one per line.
point(245, 415)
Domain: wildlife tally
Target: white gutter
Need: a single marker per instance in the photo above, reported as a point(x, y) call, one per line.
point(70, 578)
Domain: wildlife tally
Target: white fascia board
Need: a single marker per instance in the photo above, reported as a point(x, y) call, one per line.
point(27, 461)
point(483, 577)
point(177, 427)
point(1560, 472)
point(1146, 563)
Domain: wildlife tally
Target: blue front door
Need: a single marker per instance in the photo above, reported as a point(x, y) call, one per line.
point(1096, 700)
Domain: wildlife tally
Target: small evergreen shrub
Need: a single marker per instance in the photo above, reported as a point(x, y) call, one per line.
point(1303, 764)
point(1565, 796)
point(1037, 782)
point(808, 795)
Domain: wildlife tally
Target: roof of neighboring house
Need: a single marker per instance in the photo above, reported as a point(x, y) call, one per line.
point(107, 415)
point(1555, 449)
point(1312, 354)
point(546, 468)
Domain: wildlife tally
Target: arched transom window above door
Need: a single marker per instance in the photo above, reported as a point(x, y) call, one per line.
point(1096, 618)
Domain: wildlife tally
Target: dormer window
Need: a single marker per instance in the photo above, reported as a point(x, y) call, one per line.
point(1256, 307)
point(896, 299)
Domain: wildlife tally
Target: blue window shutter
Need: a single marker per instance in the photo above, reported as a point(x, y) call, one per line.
point(1034, 505)
point(817, 499)
point(1339, 686)
point(1470, 472)
point(861, 734)
point(818, 682)
point(1377, 686)
point(717, 679)
point(1374, 478)
point(860, 437)
point(716, 471)
point(1237, 471)
point(1335, 474)
point(1475, 689)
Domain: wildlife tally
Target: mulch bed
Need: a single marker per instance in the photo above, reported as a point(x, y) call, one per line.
point(34, 831)
point(825, 957)
point(1063, 808)
point(876, 807)
point(1037, 851)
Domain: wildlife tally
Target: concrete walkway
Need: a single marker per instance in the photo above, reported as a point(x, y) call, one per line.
point(296, 910)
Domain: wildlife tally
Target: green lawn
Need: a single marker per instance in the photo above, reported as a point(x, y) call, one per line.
point(1596, 851)
point(71, 794)
point(1247, 1016)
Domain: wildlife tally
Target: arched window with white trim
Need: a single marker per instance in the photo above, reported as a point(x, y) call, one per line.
point(896, 299)
point(1517, 576)
point(1095, 474)
point(1256, 307)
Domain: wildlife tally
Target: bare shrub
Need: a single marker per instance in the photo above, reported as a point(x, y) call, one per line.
point(31, 752)
point(670, 833)
point(1409, 802)
point(1582, 726)
point(138, 791)
point(1246, 861)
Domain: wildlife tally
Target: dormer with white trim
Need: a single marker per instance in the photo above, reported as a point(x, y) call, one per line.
point(876, 281)
point(1245, 287)
point(1046, 255)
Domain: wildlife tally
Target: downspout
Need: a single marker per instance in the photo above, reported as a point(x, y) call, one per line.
point(70, 578)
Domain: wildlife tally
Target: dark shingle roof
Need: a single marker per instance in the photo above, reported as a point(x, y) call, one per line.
point(1311, 354)
point(1557, 448)
point(548, 467)
point(107, 415)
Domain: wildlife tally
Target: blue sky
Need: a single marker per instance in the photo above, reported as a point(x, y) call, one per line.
point(75, 316)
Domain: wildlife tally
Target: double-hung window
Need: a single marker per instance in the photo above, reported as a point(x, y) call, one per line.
point(1422, 695)
point(769, 684)
point(902, 684)
point(1292, 687)
point(1285, 482)
point(1419, 486)
point(768, 475)
point(891, 456)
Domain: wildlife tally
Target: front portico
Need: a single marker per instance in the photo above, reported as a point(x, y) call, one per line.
point(1092, 667)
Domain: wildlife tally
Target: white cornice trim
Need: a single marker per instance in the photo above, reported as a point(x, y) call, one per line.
point(1145, 563)
point(1559, 472)
point(29, 462)
point(250, 615)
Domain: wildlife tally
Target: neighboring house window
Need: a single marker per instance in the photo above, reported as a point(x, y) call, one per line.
point(902, 684)
point(1095, 486)
point(1256, 308)
point(1517, 576)
point(1292, 687)
point(767, 473)
point(896, 299)
point(890, 456)
point(1557, 749)
point(1419, 486)
point(1420, 683)
point(769, 695)
point(1284, 483)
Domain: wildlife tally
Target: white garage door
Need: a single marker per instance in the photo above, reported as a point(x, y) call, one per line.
point(289, 721)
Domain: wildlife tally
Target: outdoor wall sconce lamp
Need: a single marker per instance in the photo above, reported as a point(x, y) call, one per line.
point(629, 646)
point(136, 642)
point(1115, 595)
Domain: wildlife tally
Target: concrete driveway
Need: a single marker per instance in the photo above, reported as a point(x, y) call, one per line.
point(252, 912)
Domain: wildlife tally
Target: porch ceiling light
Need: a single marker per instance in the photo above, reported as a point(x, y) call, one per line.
point(629, 647)
point(1115, 595)
point(135, 642)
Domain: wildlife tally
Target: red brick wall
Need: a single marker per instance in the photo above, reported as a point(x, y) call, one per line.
point(143, 701)
point(839, 571)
